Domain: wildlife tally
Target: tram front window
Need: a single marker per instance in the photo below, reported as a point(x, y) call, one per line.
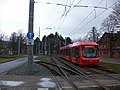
point(90, 51)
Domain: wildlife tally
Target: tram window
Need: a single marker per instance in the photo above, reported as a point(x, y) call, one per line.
point(77, 52)
point(62, 51)
point(66, 51)
point(90, 51)
point(70, 52)
point(73, 52)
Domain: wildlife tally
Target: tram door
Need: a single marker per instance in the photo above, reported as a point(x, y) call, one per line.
point(77, 55)
point(70, 54)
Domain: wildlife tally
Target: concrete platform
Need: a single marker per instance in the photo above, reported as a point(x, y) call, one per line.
point(43, 83)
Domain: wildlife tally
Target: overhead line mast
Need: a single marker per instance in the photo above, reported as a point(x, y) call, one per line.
point(30, 29)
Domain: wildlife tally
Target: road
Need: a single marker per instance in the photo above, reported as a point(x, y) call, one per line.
point(12, 64)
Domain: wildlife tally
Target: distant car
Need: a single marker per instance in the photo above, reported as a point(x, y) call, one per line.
point(82, 53)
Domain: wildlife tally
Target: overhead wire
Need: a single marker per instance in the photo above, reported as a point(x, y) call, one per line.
point(74, 6)
point(65, 14)
point(100, 2)
point(59, 25)
point(82, 21)
point(55, 4)
point(69, 11)
point(65, 11)
point(96, 16)
point(60, 16)
point(85, 18)
point(56, 21)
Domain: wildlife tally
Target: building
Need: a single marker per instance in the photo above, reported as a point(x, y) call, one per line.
point(4, 47)
point(110, 45)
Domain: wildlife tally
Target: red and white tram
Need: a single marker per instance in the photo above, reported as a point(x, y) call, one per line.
point(82, 53)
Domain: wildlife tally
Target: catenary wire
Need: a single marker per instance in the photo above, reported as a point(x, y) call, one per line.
point(65, 15)
point(60, 17)
point(96, 17)
point(68, 12)
point(84, 18)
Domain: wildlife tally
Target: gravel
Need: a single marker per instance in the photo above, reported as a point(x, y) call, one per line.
point(38, 70)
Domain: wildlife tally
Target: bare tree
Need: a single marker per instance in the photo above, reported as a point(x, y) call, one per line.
point(3, 44)
point(21, 40)
point(3, 37)
point(93, 35)
point(109, 24)
point(13, 42)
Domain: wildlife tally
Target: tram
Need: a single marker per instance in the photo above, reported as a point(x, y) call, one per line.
point(82, 53)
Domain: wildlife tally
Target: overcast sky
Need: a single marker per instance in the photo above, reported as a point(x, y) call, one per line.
point(14, 16)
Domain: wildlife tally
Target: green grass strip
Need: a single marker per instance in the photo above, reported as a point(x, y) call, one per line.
point(110, 66)
point(43, 58)
point(9, 58)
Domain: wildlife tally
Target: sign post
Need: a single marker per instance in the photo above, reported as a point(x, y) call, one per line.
point(30, 36)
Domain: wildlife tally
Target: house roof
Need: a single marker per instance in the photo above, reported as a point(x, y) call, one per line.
point(114, 36)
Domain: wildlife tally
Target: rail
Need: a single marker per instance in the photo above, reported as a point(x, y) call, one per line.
point(80, 73)
point(60, 72)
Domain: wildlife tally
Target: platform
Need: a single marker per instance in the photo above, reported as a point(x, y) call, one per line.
point(37, 82)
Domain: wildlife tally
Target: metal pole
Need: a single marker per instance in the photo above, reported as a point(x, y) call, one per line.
point(41, 47)
point(19, 46)
point(30, 29)
point(39, 42)
point(45, 46)
point(36, 48)
point(59, 45)
point(94, 34)
point(49, 48)
point(65, 41)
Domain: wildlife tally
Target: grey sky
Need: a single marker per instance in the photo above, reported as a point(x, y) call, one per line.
point(14, 16)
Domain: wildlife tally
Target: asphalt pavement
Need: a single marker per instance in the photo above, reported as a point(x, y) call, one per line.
point(110, 60)
point(12, 64)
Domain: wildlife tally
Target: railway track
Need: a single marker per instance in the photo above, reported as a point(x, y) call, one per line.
point(57, 70)
point(81, 72)
point(105, 70)
point(61, 71)
point(102, 72)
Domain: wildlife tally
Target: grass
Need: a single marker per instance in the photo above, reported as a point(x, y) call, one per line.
point(43, 58)
point(110, 66)
point(9, 58)
point(4, 60)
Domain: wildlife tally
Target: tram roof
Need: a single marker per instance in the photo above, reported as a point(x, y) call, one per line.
point(76, 44)
point(83, 43)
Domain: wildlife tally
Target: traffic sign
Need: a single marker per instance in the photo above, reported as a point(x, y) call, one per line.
point(30, 35)
point(30, 41)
